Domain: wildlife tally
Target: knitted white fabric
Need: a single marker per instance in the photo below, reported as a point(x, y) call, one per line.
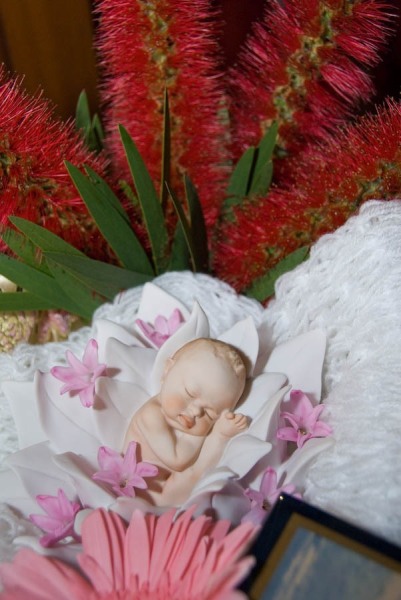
point(351, 287)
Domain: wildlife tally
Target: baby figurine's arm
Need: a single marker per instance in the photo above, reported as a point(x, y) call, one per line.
point(174, 451)
point(227, 426)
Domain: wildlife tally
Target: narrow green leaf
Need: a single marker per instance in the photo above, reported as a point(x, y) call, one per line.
point(101, 278)
point(108, 215)
point(107, 193)
point(73, 288)
point(97, 134)
point(179, 259)
point(239, 180)
point(261, 181)
point(186, 229)
point(150, 205)
point(263, 287)
point(15, 301)
point(263, 168)
point(24, 249)
point(38, 284)
point(82, 112)
point(198, 226)
point(166, 152)
point(41, 237)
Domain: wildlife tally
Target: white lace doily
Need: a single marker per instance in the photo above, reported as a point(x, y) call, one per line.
point(351, 287)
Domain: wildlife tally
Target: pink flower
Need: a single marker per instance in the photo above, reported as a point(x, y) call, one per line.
point(59, 521)
point(81, 376)
point(124, 473)
point(263, 500)
point(304, 421)
point(156, 557)
point(162, 329)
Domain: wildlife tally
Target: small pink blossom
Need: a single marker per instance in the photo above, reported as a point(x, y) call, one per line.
point(162, 329)
point(59, 521)
point(263, 500)
point(304, 421)
point(124, 473)
point(81, 376)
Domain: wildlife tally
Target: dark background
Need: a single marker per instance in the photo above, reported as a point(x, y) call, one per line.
point(49, 42)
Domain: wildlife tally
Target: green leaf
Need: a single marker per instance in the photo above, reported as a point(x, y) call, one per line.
point(82, 113)
point(74, 289)
point(15, 301)
point(24, 249)
point(101, 278)
point(186, 229)
point(263, 287)
point(166, 152)
point(263, 168)
point(180, 258)
point(198, 226)
point(91, 129)
point(239, 181)
point(38, 284)
point(97, 134)
point(41, 237)
point(112, 221)
point(150, 205)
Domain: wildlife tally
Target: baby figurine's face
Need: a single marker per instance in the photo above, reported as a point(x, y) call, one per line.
point(197, 387)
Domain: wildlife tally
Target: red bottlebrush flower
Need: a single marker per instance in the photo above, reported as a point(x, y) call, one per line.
point(145, 48)
point(34, 182)
point(331, 182)
point(306, 67)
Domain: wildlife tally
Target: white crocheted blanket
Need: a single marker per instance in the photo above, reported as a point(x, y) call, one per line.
point(351, 287)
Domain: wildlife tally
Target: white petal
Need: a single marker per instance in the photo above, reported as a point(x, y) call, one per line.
point(212, 481)
point(264, 424)
point(155, 302)
point(38, 472)
point(116, 402)
point(66, 422)
point(258, 392)
point(129, 363)
point(20, 396)
point(103, 329)
point(301, 359)
point(13, 492)
point(230, 503)
point(244, 337)
point(266, 344)
point(294, 469)
point(243, 452)
point(91, 493)
point(196, 327)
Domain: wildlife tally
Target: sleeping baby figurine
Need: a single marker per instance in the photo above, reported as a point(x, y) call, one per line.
point(186, 426)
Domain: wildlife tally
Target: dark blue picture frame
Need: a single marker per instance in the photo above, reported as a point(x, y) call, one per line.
point(303, 553)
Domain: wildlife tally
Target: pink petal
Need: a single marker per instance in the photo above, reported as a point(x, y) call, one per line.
point(103, 536)
point(322, 429)
point(287, 433)
point(44, 522)
point(175, 321)
point(145, 469)
point(161, 325)
point(90, 359)
point(295, 421)
point(313, 416)
point(87, 395)
point(129, 461)
point(35, 577)
point(76, 364)
point(107, 477)
point(146, 329)
point(256, 516)
point(269, 482)
point(303, 405)
point(109, 459)
point(68, 375)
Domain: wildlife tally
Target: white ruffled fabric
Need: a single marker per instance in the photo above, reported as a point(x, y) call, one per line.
point(350, 286)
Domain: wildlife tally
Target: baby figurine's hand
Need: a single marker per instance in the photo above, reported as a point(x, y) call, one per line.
point(229, 424)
